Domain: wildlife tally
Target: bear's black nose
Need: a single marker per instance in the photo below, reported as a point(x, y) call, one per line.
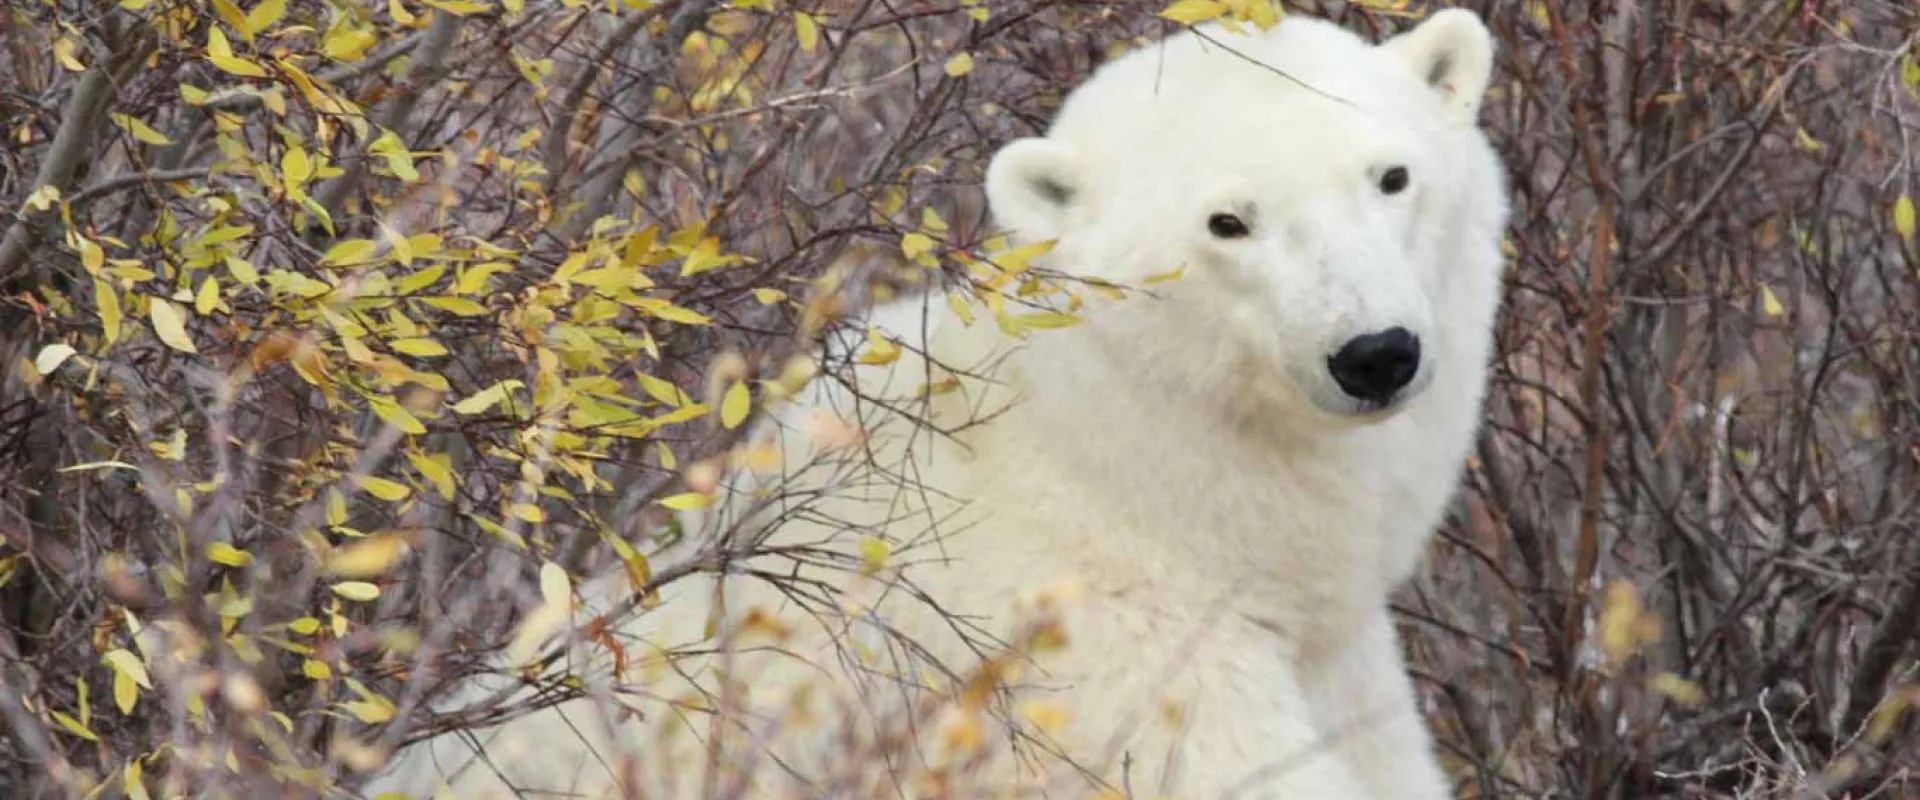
point(1372, 367)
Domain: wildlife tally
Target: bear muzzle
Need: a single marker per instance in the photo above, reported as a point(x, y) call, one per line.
point(1373, 368)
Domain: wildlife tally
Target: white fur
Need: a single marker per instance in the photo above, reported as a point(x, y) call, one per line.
point(1233, 523)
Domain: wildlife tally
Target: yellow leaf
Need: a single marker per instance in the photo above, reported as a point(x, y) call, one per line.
point(960, 64)
point(499, 532)
point(528, 512)
point(399, 161)
point(44, 197)
point(91, 256)
point(370, 713)
point(873, 553)
point(140, 130)
point(458, 7)
point(123, 661)
point(473, 279)
point(108, 304)
point(1769, 303)
point(66, 50)
point(1903, 220)
point(1163, 277)
point(437, 469)
point(661, 390)
point(1047, 319)
point(1193, 11)
point(170, 325)
point(208, 298)
point(425, 244)
point(639, 571)
point(317, 670)
point(1683, 691)
point(336, 507)
point(734, 406)
point(418, 346)
point(356, 590)
point(230, 14)
point(126, 695)
point(485, 398)
point(458, 306)
point(132, 784)
point(350, 251)
point(419, 279)
point(1017, 259)
point(74, 726)
point(399, 12)
point(344, 43)
point(555, 588)
point(220, 52)
point(556, 595)
point(367, 557)
point(535, 629)
point(1620, 614)
point(51, 357)
point(1047, 715)
point(223, 553)
point(880, 350)
point(263, 16)
point(806, 30)
point(915, 245)
point(396, 415)
point(242, 270)
point(687, 501)
point(768, 296)
point(705, 256)
point(224, 234)
point(295, 168)
point(383, 488)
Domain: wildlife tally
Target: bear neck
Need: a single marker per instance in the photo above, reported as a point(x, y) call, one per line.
point(1128, 426)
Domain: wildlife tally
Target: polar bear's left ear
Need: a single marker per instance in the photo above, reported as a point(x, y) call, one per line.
point(1452, 52)
point(1032, 185)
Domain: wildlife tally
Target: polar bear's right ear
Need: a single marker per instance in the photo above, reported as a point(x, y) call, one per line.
point(1451, 51)
point(1032, 183)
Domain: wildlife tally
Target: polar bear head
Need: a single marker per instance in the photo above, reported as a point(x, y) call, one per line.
point(1323, 199)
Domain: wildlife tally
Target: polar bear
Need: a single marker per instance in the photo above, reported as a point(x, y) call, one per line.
point(1160, 566)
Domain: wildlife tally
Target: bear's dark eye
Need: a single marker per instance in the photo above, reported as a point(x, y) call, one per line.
point(1226, 226)
point(1394, 180)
